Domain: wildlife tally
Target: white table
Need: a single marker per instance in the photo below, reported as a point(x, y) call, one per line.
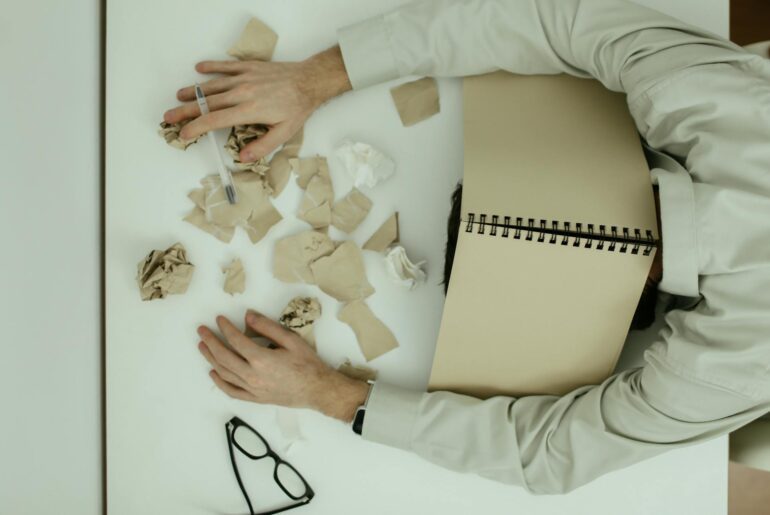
point(166, 441)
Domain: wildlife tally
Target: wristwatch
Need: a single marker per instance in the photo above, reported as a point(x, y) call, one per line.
point(358, 419)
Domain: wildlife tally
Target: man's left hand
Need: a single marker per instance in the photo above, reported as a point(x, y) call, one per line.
point(292, 374)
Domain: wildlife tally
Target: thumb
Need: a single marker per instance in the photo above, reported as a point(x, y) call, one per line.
point(270, 329)
point(262, 146)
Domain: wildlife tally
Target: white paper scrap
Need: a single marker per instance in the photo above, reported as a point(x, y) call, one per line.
point(364, 163)
point(402, 270)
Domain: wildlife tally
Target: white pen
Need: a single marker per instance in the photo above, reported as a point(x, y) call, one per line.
point(224, 172)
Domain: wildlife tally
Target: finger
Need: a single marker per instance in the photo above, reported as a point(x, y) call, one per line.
point(262, 146)
point(191, 109)
point(222, 354)
point(210, 87)
point(231, 390)
point(223, 372)
point(228, 67)
point(271, 329)
point(239, 341)
point(215, 120)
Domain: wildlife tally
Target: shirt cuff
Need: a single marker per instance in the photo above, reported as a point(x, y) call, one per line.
point(367, 52)
point(390, 415)
point(677, 218)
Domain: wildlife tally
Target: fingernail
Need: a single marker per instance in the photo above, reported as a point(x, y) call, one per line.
point(249, 157)
point(201, 329)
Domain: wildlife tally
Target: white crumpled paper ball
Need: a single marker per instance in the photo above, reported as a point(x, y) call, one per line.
point(364, 163)
point(402, 270)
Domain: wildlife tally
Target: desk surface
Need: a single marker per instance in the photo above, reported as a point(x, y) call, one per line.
point(165, 439)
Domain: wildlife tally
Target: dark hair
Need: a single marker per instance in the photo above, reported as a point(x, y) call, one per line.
point(644, 315)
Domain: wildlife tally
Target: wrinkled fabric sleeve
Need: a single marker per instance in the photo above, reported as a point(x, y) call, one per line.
point(709, 373)
point(626, 46)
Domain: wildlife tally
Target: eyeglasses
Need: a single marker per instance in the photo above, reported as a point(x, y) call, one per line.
point(251, 444)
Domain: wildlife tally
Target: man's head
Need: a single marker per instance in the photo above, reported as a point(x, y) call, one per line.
point(644, 315)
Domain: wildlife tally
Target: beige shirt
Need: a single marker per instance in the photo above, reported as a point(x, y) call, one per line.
point(695, 97)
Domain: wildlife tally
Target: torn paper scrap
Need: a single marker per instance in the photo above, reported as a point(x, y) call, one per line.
point(341, 274)
point(402, 270)
point(315, 207)
point(287, 421)
point(197, 217)
point(240, 136)
point(307, 167)
point(415, 101)
point(170, 132)
point(358, 372)
point(299, 315)
point(235, 277)
point(257, 41)
point(374, 338)
point(350, 211)
point(279, 167)
point(254, 212)
point(385, 236)
point(364, 163)
point(164, 272)
point(293, 255)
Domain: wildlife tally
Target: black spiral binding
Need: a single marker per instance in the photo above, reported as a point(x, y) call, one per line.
point(617, 239)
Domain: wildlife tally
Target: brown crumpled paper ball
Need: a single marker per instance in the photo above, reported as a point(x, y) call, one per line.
point(164, 272)
point(240, 136)
point(299, 316)
point(170, 132)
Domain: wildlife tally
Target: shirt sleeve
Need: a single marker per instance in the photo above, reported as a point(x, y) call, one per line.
point(707, 376)
point(709, 372)
point(626, 46)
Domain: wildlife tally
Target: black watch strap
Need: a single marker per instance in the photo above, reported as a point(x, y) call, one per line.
point(358, 421)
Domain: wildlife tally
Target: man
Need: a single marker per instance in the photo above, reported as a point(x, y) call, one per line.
point(695, 97)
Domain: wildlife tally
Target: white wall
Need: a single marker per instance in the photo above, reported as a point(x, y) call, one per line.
point(49, 258)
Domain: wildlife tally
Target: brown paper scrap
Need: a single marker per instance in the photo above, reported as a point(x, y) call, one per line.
point(197, 217)
point(342, 274)
point(170, 132)
point(292, 256)
point(307, 167)
point(416, 101)
point(374, 337)
point(240, 136)
point(350, 211)
point(254, 212)
point(164, 272)
point(279, 166)
point(299, 315)
point(385, 236)
point(358, 372)
point(257, 41)
point(235, 277)
point(315, 207)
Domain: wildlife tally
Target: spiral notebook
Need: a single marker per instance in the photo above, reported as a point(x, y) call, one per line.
point(557, 237)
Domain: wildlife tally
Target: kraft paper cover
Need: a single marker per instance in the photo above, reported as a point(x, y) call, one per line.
point(527, 317)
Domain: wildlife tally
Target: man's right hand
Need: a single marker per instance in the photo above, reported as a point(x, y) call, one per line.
point(277, 94)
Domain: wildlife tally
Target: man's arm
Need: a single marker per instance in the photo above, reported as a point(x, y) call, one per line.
point(709, 372)
point(626, 46)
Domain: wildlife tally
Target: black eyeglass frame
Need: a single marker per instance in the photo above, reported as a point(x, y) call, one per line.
point(233, 424)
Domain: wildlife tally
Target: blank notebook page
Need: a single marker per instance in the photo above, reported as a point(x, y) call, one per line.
point(527, 316)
